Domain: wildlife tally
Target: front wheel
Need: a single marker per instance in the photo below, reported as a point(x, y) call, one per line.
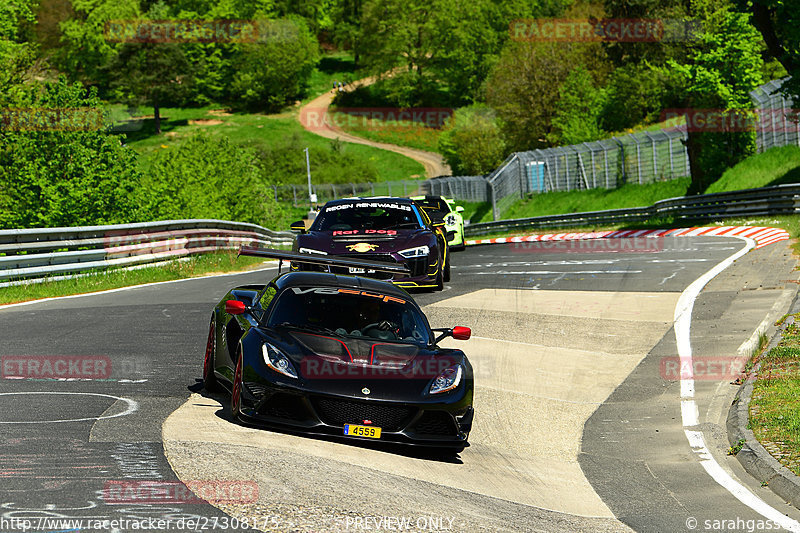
point(209, 379)
point(440, 276)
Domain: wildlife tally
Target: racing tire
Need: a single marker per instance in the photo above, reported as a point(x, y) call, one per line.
point(236, 391)
point(209, 379)
point(439, 276)
point(447, 267)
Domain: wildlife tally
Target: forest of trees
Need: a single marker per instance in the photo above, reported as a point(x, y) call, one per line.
point(509, 94)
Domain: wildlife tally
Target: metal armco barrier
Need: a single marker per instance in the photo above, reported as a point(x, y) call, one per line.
point(780, 199)
point(35, 253)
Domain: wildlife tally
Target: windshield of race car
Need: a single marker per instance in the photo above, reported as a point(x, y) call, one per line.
point(350, 313)
point(366, 215)
point(434, 204)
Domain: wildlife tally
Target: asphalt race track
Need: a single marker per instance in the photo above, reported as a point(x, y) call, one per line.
point(579, 423)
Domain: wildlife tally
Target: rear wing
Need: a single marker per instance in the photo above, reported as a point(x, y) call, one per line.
point(324, 260)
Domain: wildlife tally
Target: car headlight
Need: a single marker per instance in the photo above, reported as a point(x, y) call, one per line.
point(311, 251)
point(278, 362)
point(447, 380)
point(450, 220)
point(419, 251)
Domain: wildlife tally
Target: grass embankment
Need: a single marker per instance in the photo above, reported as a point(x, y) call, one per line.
point(775, 166)
point(400, 132)
point(775, 404)
point(194, 266)
point(268, 132)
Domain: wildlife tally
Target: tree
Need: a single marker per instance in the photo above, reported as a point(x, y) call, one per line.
point(471, 142)
point(18, 57)
point(522, 88)
point(86, 52)
point(276, 69)
point(155, 74)
point(724, 67)
point(778, 22)
point(66, 173)
point(209, 177)
point(578, 110)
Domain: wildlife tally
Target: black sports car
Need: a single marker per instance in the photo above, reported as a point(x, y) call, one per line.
point(393, 230)
point(339, 355)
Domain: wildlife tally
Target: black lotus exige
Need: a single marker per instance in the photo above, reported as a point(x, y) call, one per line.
point(339, 355)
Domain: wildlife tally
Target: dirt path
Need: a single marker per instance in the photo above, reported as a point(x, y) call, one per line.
point(434, 163)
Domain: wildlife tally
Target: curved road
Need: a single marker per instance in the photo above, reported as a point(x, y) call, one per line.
point(578, 424)
point(314, 118)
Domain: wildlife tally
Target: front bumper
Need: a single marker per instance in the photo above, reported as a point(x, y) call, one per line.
point(422, 272)
point(431, 425)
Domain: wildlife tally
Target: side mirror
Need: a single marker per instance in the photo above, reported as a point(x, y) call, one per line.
point(460, 333)
point(298, 226)
point(235, 307)
point(459, 209)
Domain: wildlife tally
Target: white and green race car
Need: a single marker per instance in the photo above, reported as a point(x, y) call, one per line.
point(446, 209)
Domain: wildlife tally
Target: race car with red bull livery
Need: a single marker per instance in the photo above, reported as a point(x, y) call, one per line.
point(392, 230)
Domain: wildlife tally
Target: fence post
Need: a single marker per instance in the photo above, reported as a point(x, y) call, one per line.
point(353, 187)
point(492, 192)
point(390, 187)
point(671, 167)
point(372, 188)
point(294, 195)
point(405, 188)
point(276, 193)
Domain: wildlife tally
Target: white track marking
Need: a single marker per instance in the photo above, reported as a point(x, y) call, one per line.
point(689, 412)
point(131, 408)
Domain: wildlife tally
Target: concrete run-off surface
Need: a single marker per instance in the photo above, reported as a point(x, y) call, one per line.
point(532, 400)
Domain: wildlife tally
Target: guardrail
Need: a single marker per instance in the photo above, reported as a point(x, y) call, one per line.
point(779, 199)
point(36, 253)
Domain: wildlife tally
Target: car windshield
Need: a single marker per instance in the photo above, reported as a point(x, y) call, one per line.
point(350, 313)
point(435, 204)
point(366, 216)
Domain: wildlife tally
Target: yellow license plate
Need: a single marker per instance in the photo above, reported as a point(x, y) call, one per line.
point(362, 431)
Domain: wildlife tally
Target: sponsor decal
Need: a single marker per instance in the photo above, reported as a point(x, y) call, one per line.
point(362, 247)
point(365, 232)
point(374, 205)
point(333, 291)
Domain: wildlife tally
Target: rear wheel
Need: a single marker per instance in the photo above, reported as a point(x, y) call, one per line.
point(236, 393)
point(209, 379)
point(447, 267)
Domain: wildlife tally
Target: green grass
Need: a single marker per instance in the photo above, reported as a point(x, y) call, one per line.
point(194, 266)
point(562, 202)
point(254, 129)
point(774, 167)
point(336, 66)
point(402, 133)
point(775, 404)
